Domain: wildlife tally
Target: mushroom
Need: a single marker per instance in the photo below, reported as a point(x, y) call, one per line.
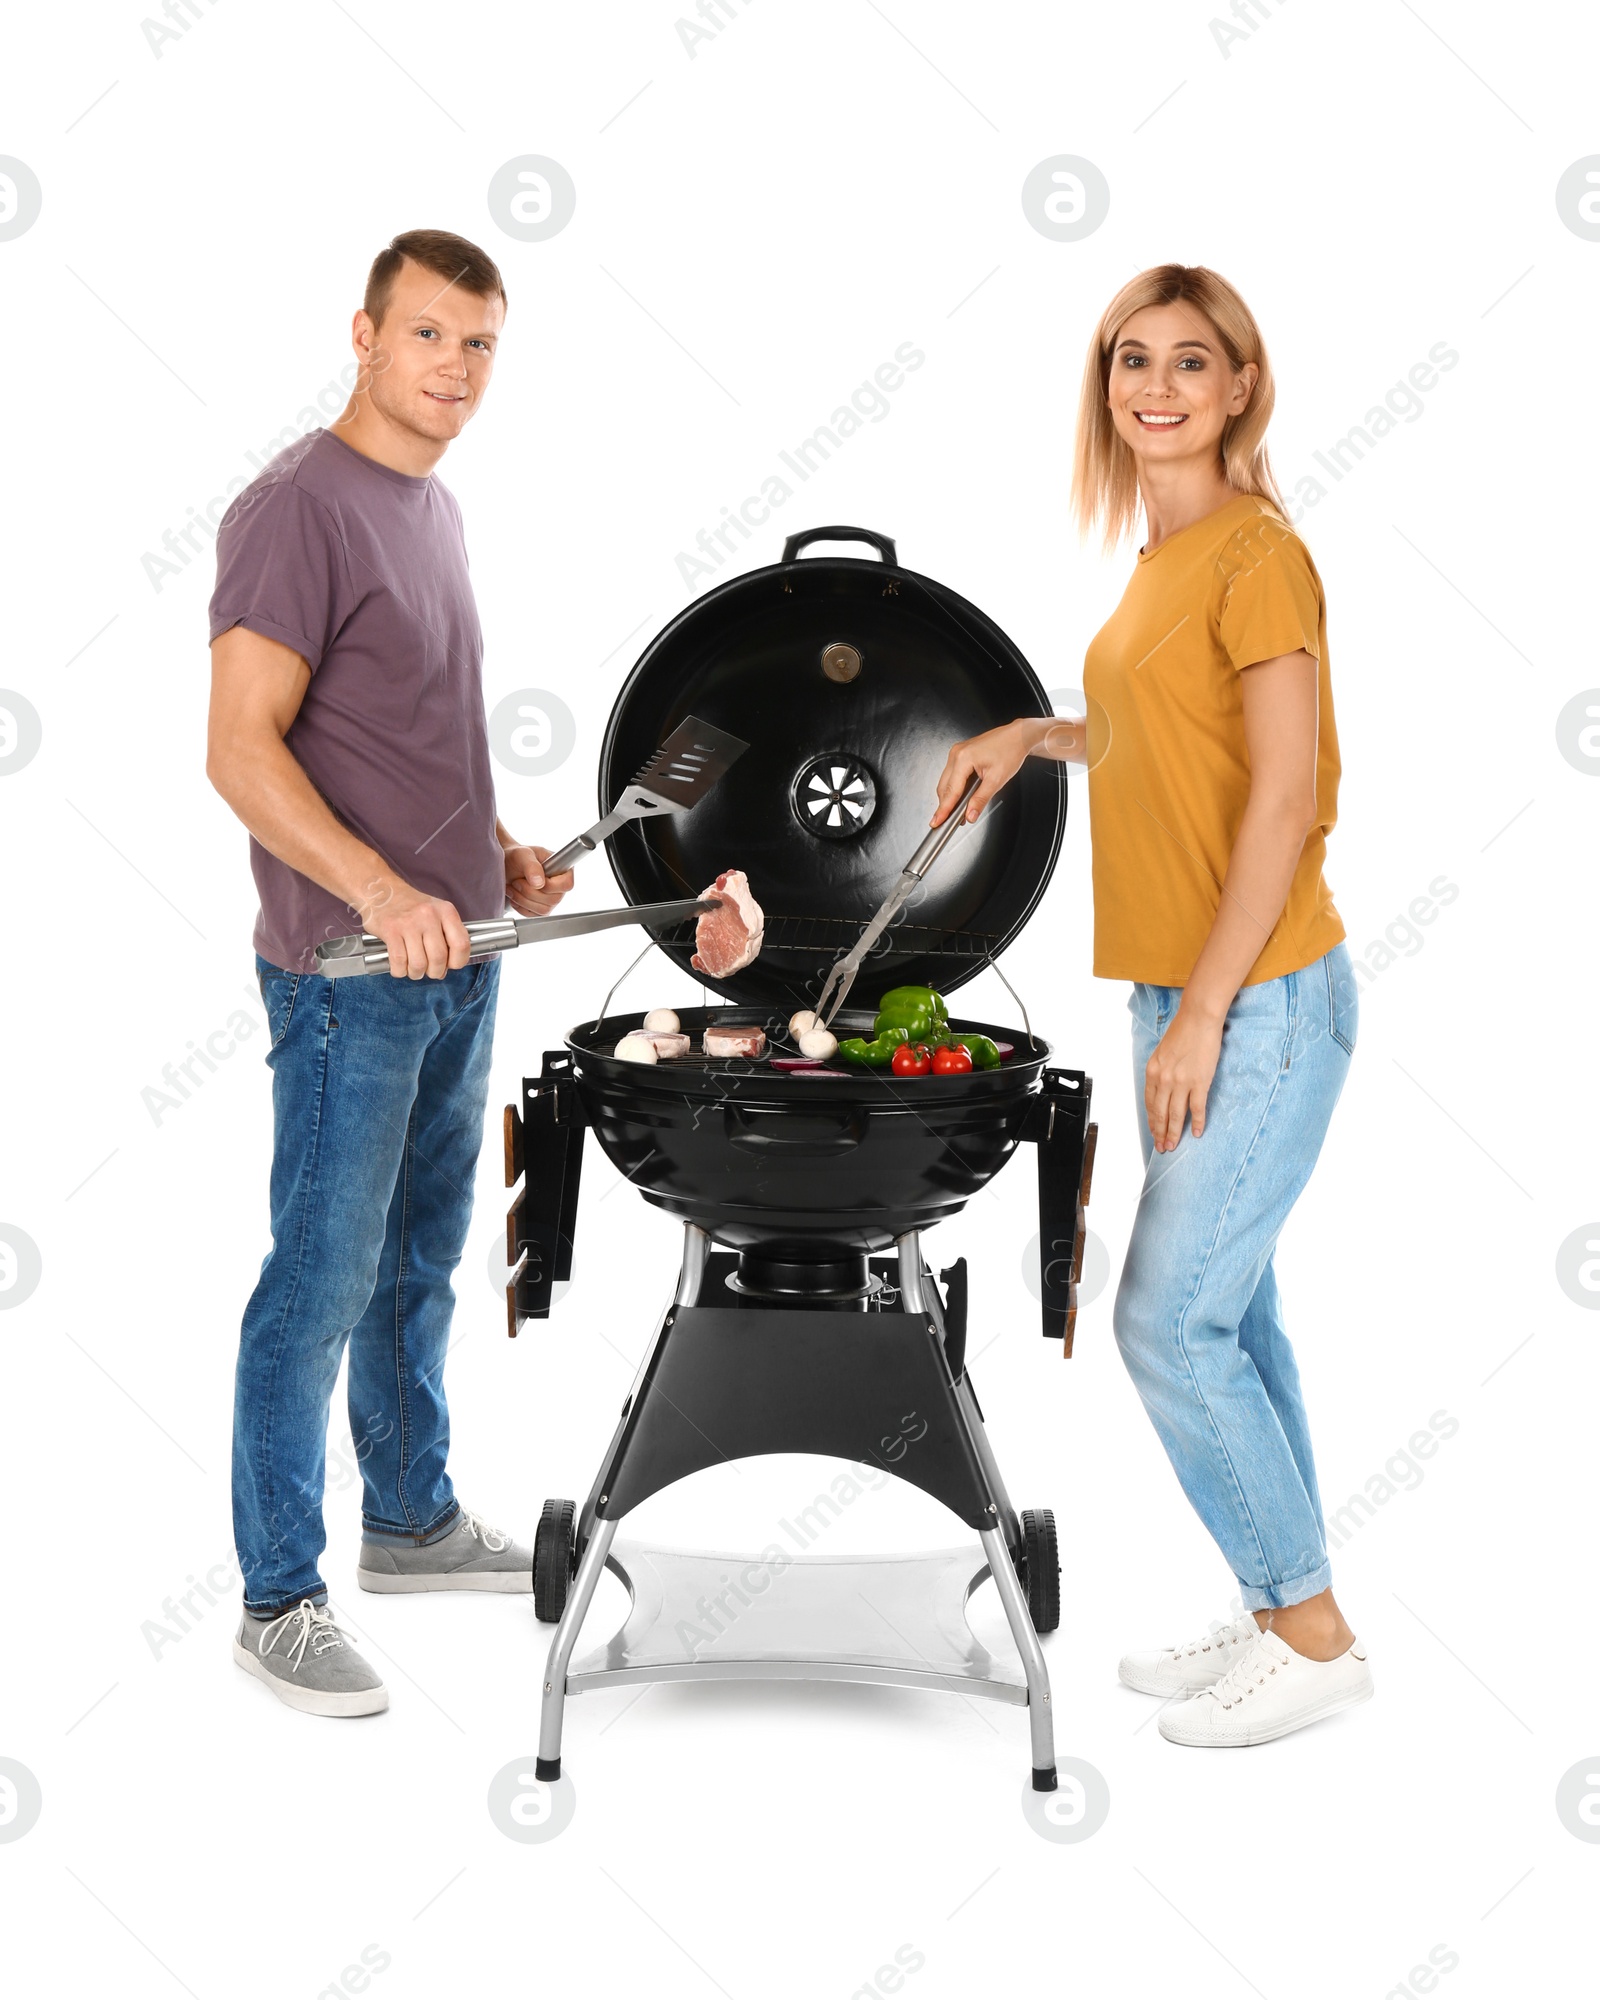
point(801, 1024)
point(636, 1048)
point(661, 1021)
point(819, 1043)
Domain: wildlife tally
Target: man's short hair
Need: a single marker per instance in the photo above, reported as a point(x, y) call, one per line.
point(452, 259)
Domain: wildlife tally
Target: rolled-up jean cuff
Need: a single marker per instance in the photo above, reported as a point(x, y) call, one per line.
point(268, 1611)
point(1279, 1596)
point(386, 1531)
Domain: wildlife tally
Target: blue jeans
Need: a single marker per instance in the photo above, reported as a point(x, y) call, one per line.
point(1198, 1317)
point(378, 1093)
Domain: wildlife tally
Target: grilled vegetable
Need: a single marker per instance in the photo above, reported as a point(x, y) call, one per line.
point(818, 1043)
point(984, 1053)
point(875, 1054)
point(911, 1059)
point(917, 1009)
point(951, 1059)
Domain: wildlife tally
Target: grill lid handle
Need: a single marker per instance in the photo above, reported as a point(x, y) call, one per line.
point(881, 543)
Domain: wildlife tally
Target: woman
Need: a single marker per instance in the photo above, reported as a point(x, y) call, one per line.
point(1213, 772)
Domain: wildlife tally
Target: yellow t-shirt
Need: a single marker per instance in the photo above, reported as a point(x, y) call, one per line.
point(1169, 773)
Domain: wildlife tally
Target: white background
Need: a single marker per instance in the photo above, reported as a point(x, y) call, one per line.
point(758, 226)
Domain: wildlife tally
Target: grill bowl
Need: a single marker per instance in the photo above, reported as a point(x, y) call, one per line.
point(808, 1168)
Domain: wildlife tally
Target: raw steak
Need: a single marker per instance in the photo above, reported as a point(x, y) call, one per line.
point(727, 939)
point(729, 1040)
point(667, 1047)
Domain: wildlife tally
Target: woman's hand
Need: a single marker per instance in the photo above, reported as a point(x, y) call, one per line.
point(1177, 1078)
point(996, 756)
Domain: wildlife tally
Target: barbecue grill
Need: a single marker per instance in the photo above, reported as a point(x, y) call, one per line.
point(805, 1317)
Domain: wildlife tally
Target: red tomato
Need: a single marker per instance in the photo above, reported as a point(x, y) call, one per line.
point(911, 1059)
point(951, 1060)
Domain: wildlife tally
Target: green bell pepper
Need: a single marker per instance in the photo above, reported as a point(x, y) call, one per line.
point(984, 1053)
point(876, 1054)
point(917, 1009)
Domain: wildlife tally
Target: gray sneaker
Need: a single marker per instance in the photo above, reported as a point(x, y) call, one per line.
point(308, 1662)
point(472, 1556)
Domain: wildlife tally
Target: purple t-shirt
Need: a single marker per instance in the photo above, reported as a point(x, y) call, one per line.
point(363, 571)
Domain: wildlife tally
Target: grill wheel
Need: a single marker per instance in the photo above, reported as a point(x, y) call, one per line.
point(1040, 1565)
point(555, 1560)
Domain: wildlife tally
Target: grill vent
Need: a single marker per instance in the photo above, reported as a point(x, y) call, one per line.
point(834, 796)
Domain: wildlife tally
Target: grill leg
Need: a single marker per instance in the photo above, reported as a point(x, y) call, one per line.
point(1041, 1727)
point(696, 1251)
point(553, 1702)
point(915, 1288)
point(925, 1293)
point(986, 1458)
point(909, 1250)
point(691, 1275)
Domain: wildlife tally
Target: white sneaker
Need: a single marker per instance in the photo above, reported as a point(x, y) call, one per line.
point(1188, 1669)
point(1268, 1692)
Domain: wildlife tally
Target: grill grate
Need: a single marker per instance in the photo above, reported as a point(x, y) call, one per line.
point(836, 934)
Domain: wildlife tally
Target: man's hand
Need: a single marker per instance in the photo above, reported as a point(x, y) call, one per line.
point(1177, 1078)
point(529, 892)
point(424, 935)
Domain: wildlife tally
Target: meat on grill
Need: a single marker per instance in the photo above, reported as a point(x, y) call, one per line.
point(667, 1046)
point(728, 938)
point(729, 1040)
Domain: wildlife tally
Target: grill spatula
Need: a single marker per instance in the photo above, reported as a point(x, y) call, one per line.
point(677, 777)
point(842, 977)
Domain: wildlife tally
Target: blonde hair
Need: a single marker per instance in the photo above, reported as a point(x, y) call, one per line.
point(1105, 491)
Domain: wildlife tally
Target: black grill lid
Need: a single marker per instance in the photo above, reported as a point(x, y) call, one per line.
point(849, 679)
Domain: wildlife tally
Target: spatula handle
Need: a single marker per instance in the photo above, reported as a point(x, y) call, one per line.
point(635, 803)
point(564, 857)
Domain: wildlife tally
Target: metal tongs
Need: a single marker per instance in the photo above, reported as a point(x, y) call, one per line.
point(676, 778)
point(842, 977)
point(343, 958)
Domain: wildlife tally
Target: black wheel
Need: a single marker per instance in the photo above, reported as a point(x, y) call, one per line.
point(1039, 1567)
point(555, 1559)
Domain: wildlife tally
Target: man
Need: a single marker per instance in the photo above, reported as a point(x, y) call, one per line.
point(347, 732)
